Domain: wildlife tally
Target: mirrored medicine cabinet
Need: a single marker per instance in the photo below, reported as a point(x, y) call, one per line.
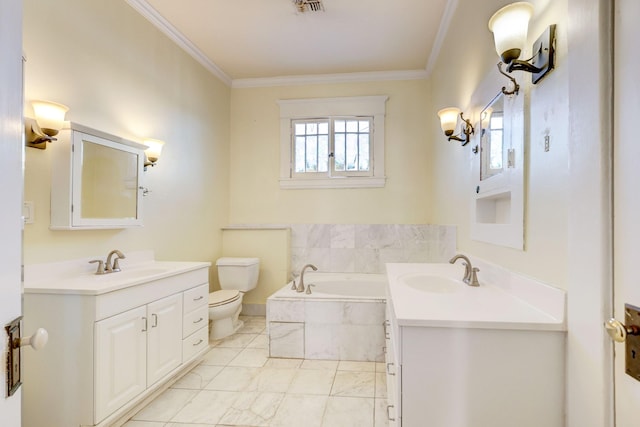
point(96, 180)
point(497, 202)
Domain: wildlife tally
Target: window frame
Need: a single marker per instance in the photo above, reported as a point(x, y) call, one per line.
point(373, 107)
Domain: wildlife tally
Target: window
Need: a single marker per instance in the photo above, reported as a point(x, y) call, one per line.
point(332, 142)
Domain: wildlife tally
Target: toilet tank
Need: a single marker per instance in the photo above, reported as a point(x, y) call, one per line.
point(238, 273)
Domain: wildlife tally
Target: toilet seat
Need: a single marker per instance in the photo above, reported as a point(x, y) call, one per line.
point(223, 297)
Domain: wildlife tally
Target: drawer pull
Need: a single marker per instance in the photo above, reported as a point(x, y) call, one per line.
point(389, 372)
point(155, 320)
point(199, 298)
point(199, 320)
point(389, 413)
point(198, 343)
point(144, 329)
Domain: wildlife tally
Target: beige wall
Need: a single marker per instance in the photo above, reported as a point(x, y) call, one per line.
point(255, 158)
point(118, 74)
point(466, 58)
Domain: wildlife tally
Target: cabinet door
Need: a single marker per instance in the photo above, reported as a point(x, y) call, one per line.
point(120, 360)
point(164, 338)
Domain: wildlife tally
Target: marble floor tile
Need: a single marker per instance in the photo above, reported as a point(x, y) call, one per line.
point(380, 415)
point(252, 327)
point(312, 381)
point(298, 411)
point(165, 406)
point(251, 357)
point(273, 380)
point(207, 407)
point(220, 356)
point(275, 362)
point(381, 385)
point(143, 424)
point(261, 341)
point(236, 341)
point(354, 384)
point(346, 365)
point(348, 412)
point(234, 378)
point(198, 377)
point(331, 365)
point(253, 409)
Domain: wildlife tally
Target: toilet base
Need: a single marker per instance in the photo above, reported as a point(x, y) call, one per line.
point(222, 328)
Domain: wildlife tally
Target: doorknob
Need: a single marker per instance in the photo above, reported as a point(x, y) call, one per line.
point(629, 333)
point(36, 341)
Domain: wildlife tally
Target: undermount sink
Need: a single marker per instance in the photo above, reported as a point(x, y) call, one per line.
point(134, 273)
point(432, 284)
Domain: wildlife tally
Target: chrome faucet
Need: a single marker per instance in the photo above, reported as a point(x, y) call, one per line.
point(300, 287)
point(470, 273)
point(112, 268)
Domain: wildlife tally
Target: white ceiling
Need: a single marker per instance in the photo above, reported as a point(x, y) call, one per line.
point(255, 40)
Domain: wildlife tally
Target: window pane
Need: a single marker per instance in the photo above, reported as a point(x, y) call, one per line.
point(323, 153)
point(339, 153)
point(363, 126)
point(299, 156)
point(339, 126)
point(300, 128)
point(312, 154)
point(352, 151)
point(312, 128)
point(352, 126)
point(363, 161)
point(323, 128)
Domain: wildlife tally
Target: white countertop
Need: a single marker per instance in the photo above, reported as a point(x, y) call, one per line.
point(488, 306)
point(78, 277)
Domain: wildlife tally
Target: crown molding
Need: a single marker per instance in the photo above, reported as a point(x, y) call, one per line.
point(445, 22)
point(152, 15)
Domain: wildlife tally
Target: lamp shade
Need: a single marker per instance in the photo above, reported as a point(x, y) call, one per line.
point(449, 119)
point(49, 115)
point(154, 149)
point(509, 26)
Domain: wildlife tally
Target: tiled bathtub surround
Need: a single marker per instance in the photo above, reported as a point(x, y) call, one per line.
point(366, 248)
point(326, 326)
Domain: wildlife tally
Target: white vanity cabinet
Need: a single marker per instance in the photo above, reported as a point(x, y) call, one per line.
point(113, 341)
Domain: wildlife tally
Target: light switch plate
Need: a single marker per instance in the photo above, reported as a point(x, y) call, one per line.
point(28, 212)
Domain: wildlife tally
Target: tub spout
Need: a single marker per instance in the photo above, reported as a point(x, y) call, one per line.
point(470, 273)
point(300, 287)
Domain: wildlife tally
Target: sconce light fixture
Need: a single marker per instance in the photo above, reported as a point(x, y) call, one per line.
point(509, 26)
point(47, 123)
point(449, 121)
point(153, 151)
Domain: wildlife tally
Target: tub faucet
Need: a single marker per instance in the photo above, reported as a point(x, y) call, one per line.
point(300, 287)
point(470, 273)
point(111, 268)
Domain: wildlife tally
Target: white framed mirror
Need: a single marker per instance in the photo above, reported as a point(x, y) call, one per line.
point(97, 181)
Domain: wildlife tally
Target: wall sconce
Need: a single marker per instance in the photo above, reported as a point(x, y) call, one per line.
point(152, 153)
point(509, 26)
point(449, 121)
point(47, 123)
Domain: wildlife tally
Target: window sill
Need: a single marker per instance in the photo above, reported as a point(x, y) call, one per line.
point(338, 182)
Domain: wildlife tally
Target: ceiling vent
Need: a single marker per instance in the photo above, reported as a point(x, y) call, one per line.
point(309, 5)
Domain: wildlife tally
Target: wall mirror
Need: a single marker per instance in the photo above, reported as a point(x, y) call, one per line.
point(101, 186)
point(492, 138)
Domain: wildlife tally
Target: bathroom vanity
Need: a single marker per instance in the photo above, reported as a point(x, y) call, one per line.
point(114, 339)
point(462, 356)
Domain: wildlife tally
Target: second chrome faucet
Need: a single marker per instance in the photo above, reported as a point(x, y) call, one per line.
point(300, 287)
point(109, 266)
point(470, 273)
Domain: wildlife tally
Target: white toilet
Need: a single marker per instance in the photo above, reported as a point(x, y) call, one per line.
point(236, 276)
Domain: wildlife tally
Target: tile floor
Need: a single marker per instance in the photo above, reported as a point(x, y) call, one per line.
point(237, 384)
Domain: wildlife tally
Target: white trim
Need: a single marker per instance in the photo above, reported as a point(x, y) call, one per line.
point(445, 22)
point(152, 15)
point(370, 76)
point(290, 109)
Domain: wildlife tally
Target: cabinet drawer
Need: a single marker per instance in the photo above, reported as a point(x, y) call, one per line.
point(195, 320)
point(194, 344)
point(196, 297)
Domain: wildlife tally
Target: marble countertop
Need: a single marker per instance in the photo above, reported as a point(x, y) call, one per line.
point(448, 302)
point(78, 276)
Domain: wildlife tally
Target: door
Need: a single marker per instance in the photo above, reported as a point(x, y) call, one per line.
point(11, 161)
point(120, 360)
point(626, 199)
point(164, 339)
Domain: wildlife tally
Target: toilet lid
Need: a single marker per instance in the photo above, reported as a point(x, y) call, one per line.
point(223, 296)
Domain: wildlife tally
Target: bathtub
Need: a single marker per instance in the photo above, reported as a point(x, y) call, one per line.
point(342, 319)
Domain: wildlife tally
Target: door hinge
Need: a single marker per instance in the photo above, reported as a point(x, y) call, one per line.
point(511, 158)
